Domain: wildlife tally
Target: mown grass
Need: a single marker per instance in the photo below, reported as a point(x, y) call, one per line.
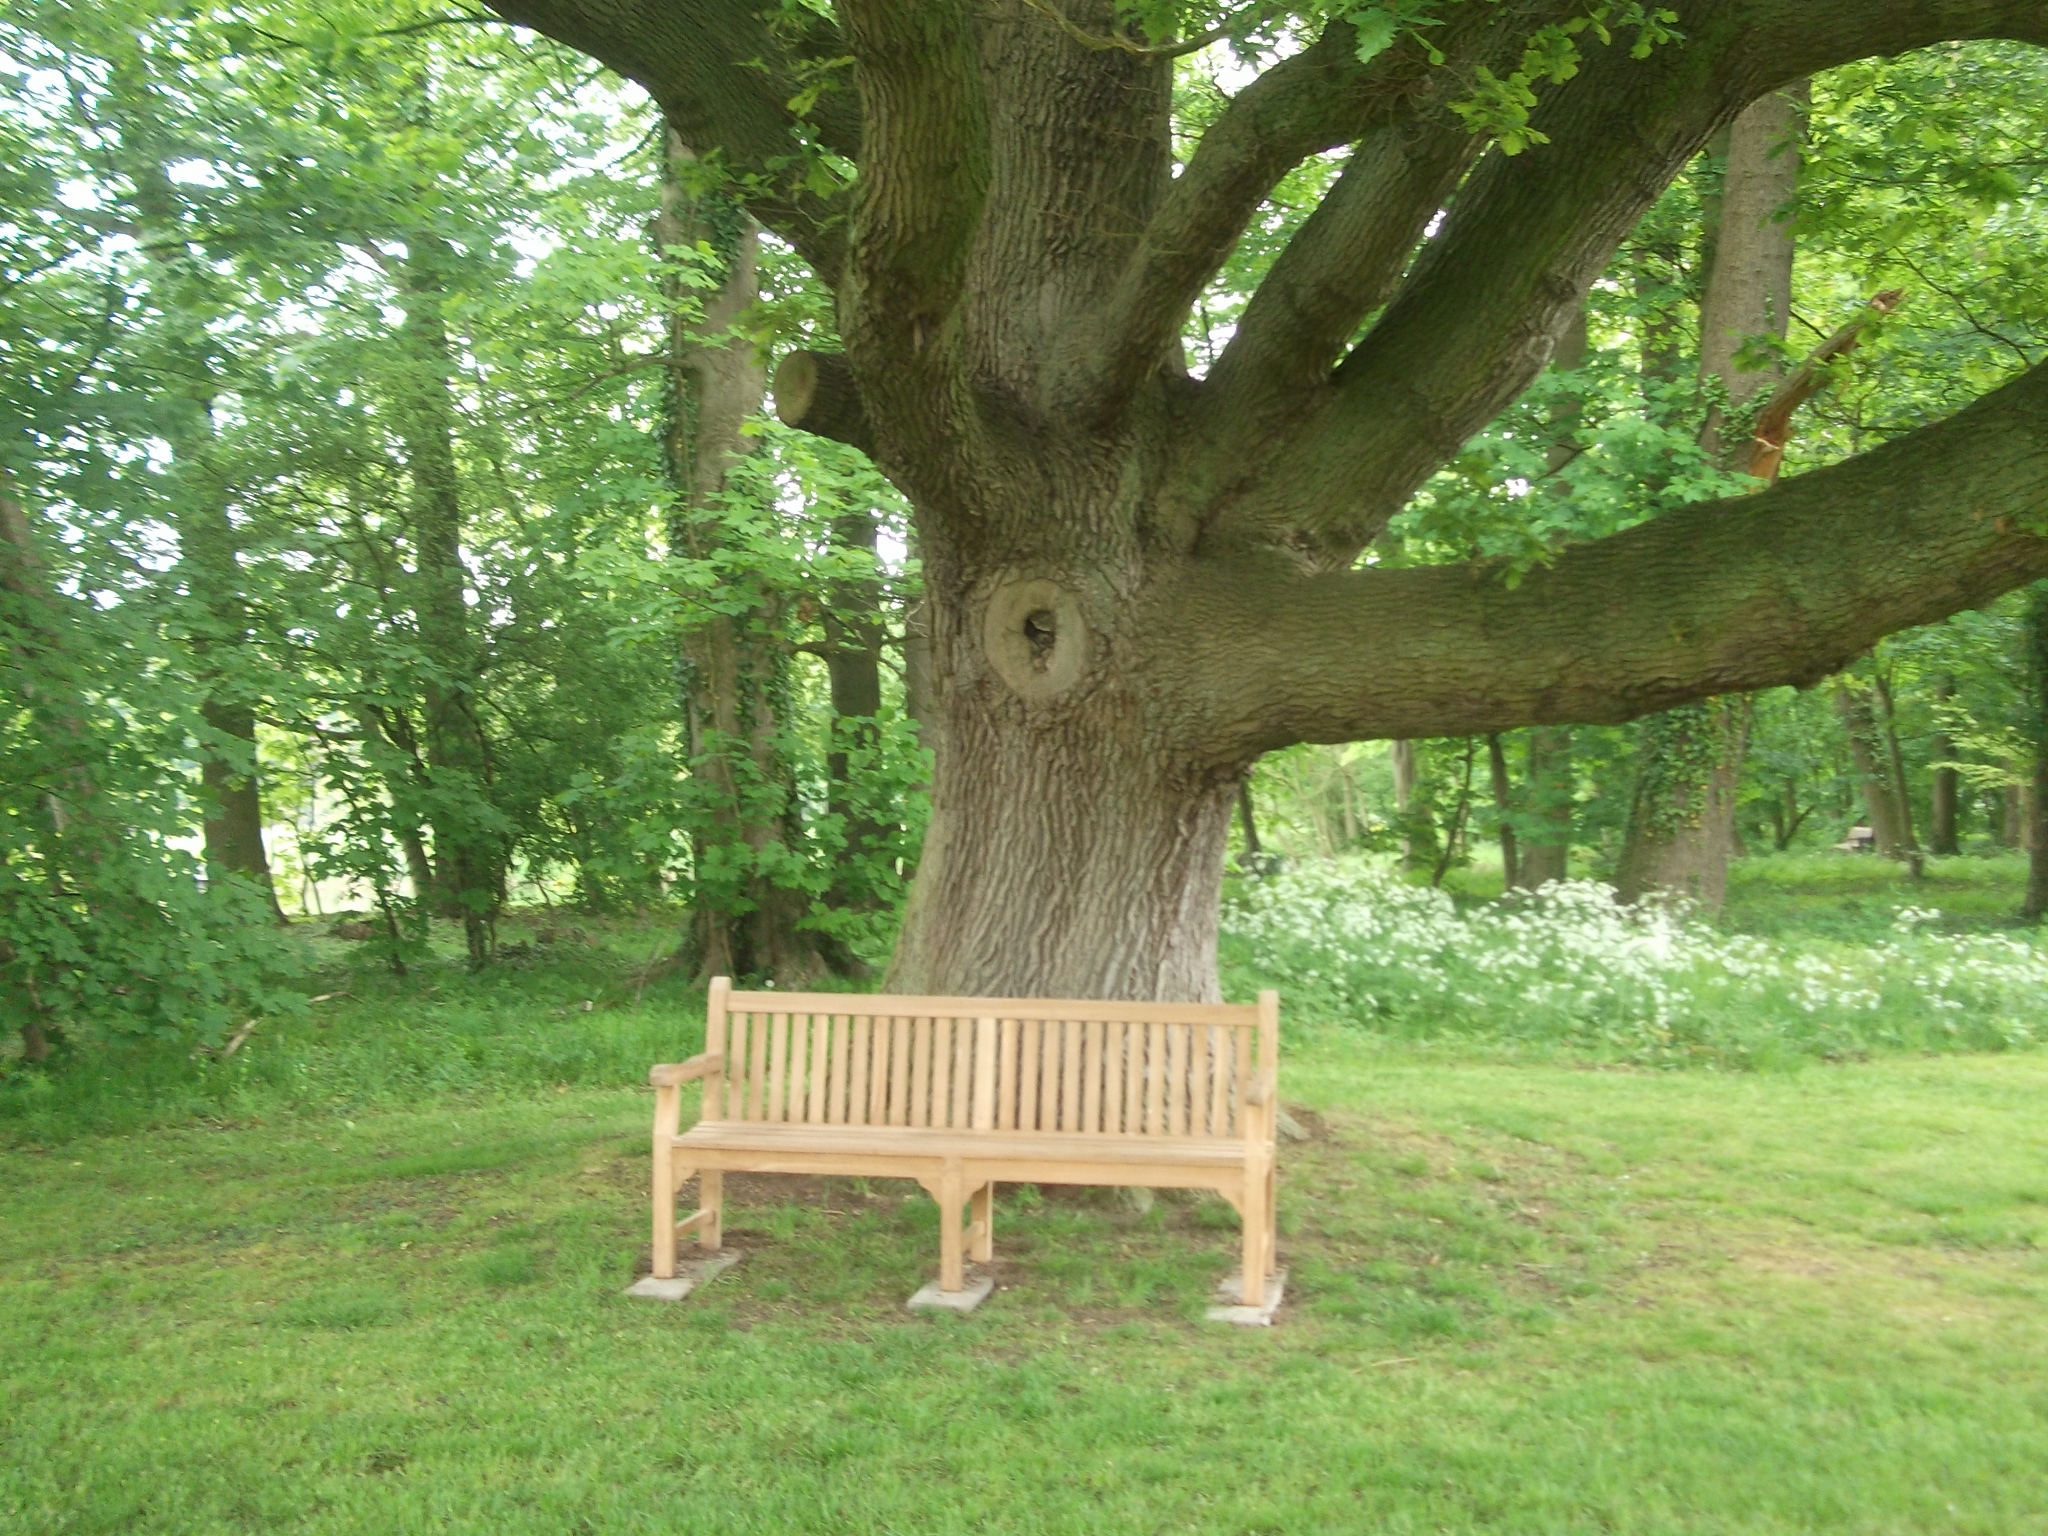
point(1523, 1299)
point(364, 1277)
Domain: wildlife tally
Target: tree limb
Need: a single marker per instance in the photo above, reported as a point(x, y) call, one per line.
point(1476, 318)
point(1783, 586)
point(724, 77)
point(1307, 104)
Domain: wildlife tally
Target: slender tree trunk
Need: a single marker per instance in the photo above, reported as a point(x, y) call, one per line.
point(735, 664)
point(469, 854)
point(1254, 860)
point(1681, 832)
point(1460, 814)
point(208, 567)
point(1873, 772)
point(31, 621)
point(1545, 849)
point(2035, 904)
point(1504, 810)
point(1942, 838)
point(1401, 757)
point(1895, 762)
point(853, 664)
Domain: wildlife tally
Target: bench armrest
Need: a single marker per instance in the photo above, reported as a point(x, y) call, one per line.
point(674, 1073)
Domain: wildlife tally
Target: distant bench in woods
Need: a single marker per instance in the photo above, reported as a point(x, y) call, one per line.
point(960, 1093)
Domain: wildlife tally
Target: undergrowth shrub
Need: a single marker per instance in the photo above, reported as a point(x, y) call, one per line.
point(1569, 967)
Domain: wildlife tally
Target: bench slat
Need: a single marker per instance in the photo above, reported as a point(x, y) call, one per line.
point(926, 1142)
point(1241, 1014)
point(772, 1105)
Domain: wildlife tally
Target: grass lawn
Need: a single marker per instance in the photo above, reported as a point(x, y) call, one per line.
point(1525, 1298)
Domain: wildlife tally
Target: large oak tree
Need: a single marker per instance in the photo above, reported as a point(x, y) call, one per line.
point(1139, 580)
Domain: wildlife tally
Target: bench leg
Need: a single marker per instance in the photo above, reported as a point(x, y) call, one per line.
point(1257, 1192)
point(1273, 1220)
point(981, 1228)
point(711, 1197)
point(664, 1212)
point(952, 1266)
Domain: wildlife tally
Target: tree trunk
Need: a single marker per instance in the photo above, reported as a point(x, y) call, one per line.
point(1747, 295)
point(1873, 772)
point(1545, 850)
point(469, 853)
point(234, 832)
point(735, 663)
point(853, 663)
point(1895, 762)
point(1503, 809)
point(208, 544)
point(1684, 803)
point(2035, 904)
point(1942, 838)
point(1401, 757)
point(1066, 859)
point(1141, 580)
point(30, 622)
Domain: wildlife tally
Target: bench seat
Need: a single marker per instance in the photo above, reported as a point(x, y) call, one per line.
point(960, 1094)
point(905, 1152)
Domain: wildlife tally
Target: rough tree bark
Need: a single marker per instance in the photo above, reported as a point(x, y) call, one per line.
point(1138, 580)
point(735, 658)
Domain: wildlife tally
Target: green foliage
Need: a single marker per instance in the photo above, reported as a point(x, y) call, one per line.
point(107, 925)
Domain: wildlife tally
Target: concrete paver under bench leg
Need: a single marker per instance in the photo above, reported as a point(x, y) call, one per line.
point(690, 1273)
point(1230, 1308)
point(964, 1300)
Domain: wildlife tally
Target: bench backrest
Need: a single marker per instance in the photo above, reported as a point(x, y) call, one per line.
point(992, 1064)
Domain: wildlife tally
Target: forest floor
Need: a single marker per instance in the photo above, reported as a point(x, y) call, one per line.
point(375, 1288)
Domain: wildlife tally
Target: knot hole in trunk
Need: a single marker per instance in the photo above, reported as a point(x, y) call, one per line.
point(1036, 639)
point(1042, 629)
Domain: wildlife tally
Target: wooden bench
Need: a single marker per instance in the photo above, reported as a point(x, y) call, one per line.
point(960, 1093)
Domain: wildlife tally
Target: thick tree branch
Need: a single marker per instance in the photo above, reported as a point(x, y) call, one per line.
point(1315, 101)
point(1476, 318)
point(724, 77)
point(1784, 586)
point(924, 174)
point(816, 392)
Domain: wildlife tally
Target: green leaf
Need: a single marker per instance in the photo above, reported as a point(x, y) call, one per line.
point(1376, 27)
